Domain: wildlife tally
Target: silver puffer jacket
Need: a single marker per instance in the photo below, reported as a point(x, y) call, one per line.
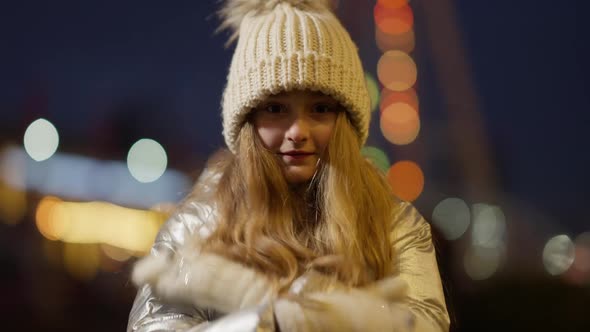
point(416, 263)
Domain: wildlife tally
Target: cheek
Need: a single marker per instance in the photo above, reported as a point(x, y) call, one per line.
point(323, 136)
point(271, 137)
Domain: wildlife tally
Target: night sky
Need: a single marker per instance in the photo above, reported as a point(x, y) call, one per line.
point(108, 72)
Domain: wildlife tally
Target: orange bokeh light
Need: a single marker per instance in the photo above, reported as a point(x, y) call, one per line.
point(406, 179)
point(404, 42)
point(400, 123)
point(389, 97)
point(44, 217)
point(394, 21)
point(392, 4)
point(397, 70)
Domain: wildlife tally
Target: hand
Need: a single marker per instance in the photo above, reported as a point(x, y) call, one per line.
point(313, 281)
point(204, 280)
point(371, 308)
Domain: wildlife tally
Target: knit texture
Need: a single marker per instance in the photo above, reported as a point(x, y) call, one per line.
point(290, 48)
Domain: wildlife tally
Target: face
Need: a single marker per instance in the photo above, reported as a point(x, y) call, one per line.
point(297, 127)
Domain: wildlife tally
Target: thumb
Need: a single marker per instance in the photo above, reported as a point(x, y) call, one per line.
point(389, 289)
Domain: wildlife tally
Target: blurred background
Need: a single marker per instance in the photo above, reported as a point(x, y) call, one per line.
point(109, 110)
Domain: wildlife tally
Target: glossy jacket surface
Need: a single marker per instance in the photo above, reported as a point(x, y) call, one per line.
point(416, 264)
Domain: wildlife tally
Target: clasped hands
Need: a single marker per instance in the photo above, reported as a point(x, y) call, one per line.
point(207, 280)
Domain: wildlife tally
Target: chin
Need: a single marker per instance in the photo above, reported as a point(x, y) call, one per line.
point(298, 177)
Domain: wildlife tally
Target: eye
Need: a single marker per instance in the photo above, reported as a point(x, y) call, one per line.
point(274, 108)
point(324, 108)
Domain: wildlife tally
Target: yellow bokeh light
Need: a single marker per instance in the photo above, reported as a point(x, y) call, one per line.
point(52, 250)
point(147, 160)
point(405, 42)
point(41, 140)
point(164, 208)
point(397, 70)
point(114, 253)
point(13, 204)
point(406, 179)
point(81, 260)
point(400, 123)
point(98, 222)
point(44, 216)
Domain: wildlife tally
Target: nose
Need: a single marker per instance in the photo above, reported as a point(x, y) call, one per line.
point(299, 129)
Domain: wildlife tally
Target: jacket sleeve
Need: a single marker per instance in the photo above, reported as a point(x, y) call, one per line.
point(149, 313)
point(416, 264)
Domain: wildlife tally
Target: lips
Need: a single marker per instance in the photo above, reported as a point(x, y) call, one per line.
point(296, 153)
point(295, 156)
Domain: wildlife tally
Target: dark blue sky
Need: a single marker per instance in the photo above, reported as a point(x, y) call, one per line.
point(129, 69)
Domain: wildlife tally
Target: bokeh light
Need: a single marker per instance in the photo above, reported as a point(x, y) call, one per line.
point(147, 160)
point(400, 123)
point(81, 260)
point(13, 204)
point(408, 96)
point(41, 140)
point(44, 216)
point(114, 253)
point(373, 88)
point(98, 222)
point(394, 21)
point(481, 263)
point(489, 226)
point(392, 4)
point(558, 254)
point(377, 156)
point(405, 42)
point(406, 179)
point(53, 252)
point(451, 216)
point(397, 70)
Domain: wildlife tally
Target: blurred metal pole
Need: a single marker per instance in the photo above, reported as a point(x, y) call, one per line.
point(466, 128)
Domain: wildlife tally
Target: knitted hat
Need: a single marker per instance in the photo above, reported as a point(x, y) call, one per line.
point(286, 45)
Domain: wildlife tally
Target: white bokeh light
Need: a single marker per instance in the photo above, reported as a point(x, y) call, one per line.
point(451, 216)
point(41, 140)
point(147, 160)
point(489, 226)
point(481, 263)
point(558, 254)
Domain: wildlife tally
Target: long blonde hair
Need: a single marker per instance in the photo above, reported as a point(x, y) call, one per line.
point(339, 226)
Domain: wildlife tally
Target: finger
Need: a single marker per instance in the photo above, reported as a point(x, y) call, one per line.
point(148, 269)
point(404, 319)
point(390, 289)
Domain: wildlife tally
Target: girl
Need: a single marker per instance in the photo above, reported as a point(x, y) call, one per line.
point(291, 229)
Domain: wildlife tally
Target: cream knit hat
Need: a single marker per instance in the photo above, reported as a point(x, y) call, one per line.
point(286, 45)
